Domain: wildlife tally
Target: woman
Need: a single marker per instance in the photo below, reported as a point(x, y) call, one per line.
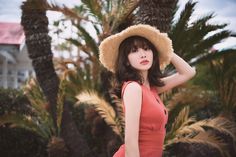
point(136, 56)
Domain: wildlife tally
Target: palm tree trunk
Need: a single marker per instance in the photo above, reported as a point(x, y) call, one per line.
point(157, 13)
point(35, 24)
point(73, 139)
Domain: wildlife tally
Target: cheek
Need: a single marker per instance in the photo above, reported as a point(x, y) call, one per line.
point(132, 58)
point(150, 55)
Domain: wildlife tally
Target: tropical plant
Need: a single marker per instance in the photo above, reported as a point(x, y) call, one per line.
point(224, 80)
point(106, 17)
point(105, 110)
point(192, 40)
point(39, 121)
point(24, 142)
point(99, 112)
point(35, 24)
point(157, 13)
point(188, 137)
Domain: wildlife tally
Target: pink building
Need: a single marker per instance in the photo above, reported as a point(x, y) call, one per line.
point(15, 65)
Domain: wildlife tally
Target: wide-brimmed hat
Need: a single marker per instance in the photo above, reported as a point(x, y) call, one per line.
point(109, 47)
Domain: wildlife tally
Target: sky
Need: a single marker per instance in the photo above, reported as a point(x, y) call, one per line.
point(224, 13)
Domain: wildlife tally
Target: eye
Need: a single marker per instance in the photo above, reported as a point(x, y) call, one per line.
point(146, 48)
point(134, 50)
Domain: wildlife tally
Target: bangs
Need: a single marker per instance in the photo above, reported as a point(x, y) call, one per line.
point(135, 42)
point(140, 43)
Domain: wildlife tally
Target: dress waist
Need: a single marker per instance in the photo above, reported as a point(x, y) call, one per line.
point(152, 139)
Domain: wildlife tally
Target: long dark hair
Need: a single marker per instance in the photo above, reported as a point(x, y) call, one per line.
point(125, 72)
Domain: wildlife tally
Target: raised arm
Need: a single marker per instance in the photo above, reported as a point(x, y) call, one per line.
point(183, 74)
point(132, 99)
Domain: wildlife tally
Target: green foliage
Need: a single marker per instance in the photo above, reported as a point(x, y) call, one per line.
point(12, 100)
point(192, 40)
point(26, 141)
point(25, 122)
point(18, 142)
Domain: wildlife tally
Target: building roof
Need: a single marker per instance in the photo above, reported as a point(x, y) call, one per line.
point(11, 33)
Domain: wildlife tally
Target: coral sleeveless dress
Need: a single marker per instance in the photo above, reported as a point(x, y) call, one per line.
point(153, 119)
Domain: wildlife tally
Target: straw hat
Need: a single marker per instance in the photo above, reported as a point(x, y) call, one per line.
point(109, 47)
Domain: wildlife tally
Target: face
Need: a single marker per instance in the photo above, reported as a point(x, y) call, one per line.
point(141, 58)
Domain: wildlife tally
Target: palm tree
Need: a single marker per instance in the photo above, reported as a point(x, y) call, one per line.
point(193, 34)
point(224, 81)
point(188, 137)
point(190, 40)
point(35, 24)
point(157, 13)
point(106, 17)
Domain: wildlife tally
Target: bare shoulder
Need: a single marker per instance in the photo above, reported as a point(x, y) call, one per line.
point(133, 97)
point(133, 87)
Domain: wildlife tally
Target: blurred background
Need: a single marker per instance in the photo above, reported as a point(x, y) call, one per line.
point(56, 99)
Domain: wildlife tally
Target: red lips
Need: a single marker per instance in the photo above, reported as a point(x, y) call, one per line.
point(144, 62)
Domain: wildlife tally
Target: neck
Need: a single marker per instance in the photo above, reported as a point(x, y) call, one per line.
point(144, 75)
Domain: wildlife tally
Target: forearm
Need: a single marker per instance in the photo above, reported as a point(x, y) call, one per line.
point(182, 67)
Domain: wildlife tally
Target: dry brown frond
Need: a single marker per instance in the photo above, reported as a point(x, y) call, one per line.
point(68, 12)
point(223, 125)
point(182, 119)
point(103, 108)
point(180, 122)
point(193, 96)
point(124, 11)
point(209, 137)
point(192, 128)
point(119, 110)
point(204, 141)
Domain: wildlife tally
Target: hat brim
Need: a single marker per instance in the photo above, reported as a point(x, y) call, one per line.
point(109, 47)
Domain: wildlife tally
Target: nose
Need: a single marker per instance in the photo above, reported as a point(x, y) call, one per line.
point(142, 53)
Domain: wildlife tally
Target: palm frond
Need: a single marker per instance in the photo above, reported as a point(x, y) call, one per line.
point(95, 8)
point(39, 105)
point(200, 146)
point(182, 22)
point(37, 99)
point(102, 107)
point(181, 120)
point(71, 13)
point(222, 125)
point(90, 42)
point(25, 122)
point(119, 112)
point(211, 56)
point(216, 134)
point(192, 95)
point(60, 103)
point(124, 11)
point(208, 43)
point(80, 46)
point(192, 129)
